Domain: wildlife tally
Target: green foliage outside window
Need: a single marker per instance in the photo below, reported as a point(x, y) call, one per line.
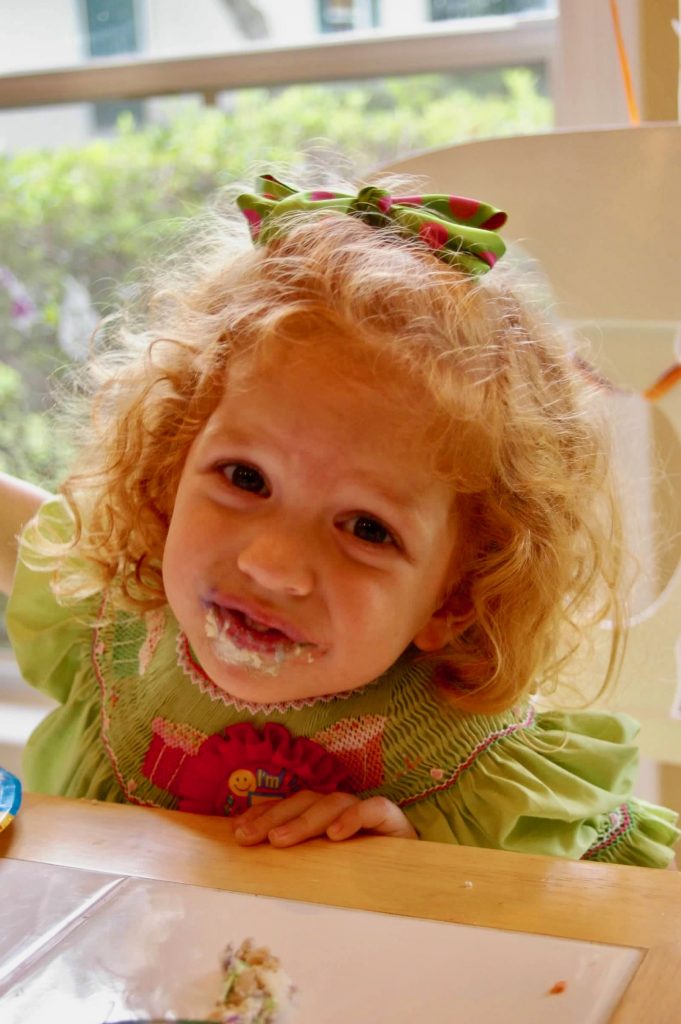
point(92, 214)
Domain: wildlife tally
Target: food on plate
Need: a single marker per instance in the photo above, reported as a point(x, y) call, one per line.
point(255, 988)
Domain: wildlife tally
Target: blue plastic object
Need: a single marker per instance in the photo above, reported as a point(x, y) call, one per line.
point(10, 797)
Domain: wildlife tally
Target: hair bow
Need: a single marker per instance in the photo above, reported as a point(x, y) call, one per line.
point(459, 231)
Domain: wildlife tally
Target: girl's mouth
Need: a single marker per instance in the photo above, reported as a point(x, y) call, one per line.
point(239, 639)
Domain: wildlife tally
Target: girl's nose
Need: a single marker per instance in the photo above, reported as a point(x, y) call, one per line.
point(278, 561)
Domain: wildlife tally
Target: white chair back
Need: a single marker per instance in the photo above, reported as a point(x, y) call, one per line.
point(601, 213)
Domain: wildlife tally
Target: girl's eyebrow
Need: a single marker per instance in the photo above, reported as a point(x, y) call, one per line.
point(221, 431)
point(403, 500)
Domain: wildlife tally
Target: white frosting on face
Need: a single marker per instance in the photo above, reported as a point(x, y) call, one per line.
point(231, 653)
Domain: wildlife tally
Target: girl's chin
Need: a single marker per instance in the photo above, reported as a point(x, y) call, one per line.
point(253, 689)
point(291, 685)
point(259, 680)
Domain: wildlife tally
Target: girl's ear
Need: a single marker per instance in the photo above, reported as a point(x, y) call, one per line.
point(441, 628)
point(435, 634)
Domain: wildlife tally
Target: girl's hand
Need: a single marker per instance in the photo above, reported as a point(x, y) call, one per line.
point(306, 815)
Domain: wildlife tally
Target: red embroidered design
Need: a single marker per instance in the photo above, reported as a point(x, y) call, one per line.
point(357, 742)
point(179, 734)
point(230, 771)
point(172, 744)
point(621, 823)
point(454, 777)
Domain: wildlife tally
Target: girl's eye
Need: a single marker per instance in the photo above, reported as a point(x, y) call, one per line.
point(370, 530)
point(245, 477)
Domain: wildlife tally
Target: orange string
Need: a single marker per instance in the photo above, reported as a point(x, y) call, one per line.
point(632, 105)
point(664, 383)
point(671, 377)
point(658, 389)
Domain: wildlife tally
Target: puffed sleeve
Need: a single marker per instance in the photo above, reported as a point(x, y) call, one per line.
point(554, 783)
point(49, 640)
point(52, 645)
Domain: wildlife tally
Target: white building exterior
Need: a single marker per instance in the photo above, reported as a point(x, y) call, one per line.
point(37, 35)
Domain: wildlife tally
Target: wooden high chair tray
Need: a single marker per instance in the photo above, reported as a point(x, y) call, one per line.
point(613, 905)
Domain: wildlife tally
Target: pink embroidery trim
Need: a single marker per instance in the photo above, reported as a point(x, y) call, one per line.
point(155, 622)
point(196, 675)
point(621, 823)
point(472, 757)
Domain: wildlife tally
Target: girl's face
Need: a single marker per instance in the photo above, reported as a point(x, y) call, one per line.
point(309, 543)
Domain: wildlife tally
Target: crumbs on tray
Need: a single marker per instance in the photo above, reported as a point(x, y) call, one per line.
point(255, 988)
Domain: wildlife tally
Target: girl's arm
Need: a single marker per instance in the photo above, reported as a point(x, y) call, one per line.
point(19, 502)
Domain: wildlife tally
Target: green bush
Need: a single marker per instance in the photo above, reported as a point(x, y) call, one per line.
point(92, 213)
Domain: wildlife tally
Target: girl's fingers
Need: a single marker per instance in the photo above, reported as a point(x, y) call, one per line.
point(312, 822)
point(285, 822)
point(308, 814)
point(277, 811)
point(378, 815)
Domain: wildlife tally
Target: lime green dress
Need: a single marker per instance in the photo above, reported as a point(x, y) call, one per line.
point(139, 721)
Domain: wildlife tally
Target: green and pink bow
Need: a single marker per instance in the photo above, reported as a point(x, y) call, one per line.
point(459, 231)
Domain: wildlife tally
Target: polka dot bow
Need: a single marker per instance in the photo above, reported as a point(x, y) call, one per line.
point(459, 231)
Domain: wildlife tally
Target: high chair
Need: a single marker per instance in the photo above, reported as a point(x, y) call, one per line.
point(600, 212)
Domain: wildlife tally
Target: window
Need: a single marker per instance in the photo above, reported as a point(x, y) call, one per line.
point(340, 15)
point(112, 29)
point(440, 10)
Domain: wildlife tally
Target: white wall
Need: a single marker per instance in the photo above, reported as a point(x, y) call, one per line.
point(589, 67)
point(40, 34)
point(43, 35)
point(205, 26)
point(175, 27)
point(404, 15)
point(45, 127)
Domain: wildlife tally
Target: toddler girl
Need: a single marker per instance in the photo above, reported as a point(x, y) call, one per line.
point(341, 506)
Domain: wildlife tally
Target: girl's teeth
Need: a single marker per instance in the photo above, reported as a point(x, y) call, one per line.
point(259, 627)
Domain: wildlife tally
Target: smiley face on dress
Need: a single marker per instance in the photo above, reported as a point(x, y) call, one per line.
point(242, 782)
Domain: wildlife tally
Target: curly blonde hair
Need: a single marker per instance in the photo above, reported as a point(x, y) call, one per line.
point(517, 431)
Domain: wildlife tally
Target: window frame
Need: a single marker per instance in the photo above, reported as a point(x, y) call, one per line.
point(105, 112)
point(475, 42)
